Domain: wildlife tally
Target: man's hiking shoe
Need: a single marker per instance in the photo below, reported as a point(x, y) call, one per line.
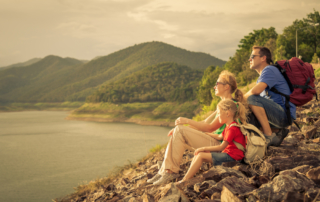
point(166, 178)
point(154, 179)
point(276, 138)
point(281, 135)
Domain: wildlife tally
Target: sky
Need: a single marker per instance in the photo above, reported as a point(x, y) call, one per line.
point(84, 29)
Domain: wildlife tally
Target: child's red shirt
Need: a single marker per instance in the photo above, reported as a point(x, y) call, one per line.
point(231, 134)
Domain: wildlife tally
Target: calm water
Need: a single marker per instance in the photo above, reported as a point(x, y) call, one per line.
point(44, 156)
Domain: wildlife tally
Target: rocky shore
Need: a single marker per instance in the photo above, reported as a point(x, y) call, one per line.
point(290, 172)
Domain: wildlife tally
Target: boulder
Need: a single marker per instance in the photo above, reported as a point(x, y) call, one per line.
point(200, 187)
point(314, 174)
point(280, 163)
point(218, 173)
point(147, 198)
point(171, 193)
point(286, 181)
point(227, 196)
point(234, 184)
point(309, 131)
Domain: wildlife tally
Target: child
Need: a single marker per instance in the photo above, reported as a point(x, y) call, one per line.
point(228, 112)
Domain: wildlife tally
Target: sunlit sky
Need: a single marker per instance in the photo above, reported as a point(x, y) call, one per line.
point(84, 29)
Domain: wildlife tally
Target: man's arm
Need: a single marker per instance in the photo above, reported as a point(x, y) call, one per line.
point(256, 90)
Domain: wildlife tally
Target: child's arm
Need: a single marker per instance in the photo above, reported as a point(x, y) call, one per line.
point(212, 148)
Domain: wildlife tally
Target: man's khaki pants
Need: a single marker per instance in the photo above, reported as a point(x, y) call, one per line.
point(184, 137)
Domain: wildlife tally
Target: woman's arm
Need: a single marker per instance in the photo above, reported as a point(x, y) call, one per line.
point(212, 148)
point(202, 126)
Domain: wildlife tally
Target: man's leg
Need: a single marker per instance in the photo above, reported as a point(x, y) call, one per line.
point(270, 112)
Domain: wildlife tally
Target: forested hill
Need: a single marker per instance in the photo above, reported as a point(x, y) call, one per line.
point(161, 82)
point(55, 79)
point(22, 64)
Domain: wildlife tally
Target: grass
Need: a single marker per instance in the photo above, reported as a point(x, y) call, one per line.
point(56, 106)
point(148, 111)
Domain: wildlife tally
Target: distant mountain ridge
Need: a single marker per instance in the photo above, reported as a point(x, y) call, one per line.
point(56, 79)
point(22, 64)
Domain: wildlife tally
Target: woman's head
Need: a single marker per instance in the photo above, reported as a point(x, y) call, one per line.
point(229, 109)
point(227, 83)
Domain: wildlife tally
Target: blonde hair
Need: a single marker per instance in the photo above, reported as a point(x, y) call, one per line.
point(229, 78)
point(239, 110)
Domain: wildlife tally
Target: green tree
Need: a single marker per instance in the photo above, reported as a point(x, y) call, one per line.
point(205, 89)
point(315, 58)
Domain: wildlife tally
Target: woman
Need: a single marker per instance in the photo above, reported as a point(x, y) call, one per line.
point(198, 134)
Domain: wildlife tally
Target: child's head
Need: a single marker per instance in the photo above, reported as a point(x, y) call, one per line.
point(229, 109)
point(229, 78)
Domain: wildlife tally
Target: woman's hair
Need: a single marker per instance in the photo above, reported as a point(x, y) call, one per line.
point(229, 78)
point(239, 110)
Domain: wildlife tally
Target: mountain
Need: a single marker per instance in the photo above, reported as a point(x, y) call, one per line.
point(162, 82)
point(56, 79)
point(22, 64)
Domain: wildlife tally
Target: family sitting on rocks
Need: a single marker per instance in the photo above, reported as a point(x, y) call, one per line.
point(213, 139)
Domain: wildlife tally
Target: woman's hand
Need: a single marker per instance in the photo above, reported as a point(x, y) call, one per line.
point(202, 149)
point(181, 121)
point(170, 132)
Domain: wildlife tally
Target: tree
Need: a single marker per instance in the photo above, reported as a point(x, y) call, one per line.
point(315, 58)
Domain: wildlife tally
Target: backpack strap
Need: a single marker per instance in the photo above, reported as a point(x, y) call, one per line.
point(287, 105)
point(239, 146)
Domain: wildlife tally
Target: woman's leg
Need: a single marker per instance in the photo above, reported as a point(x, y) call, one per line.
point(183, 137)
point(196, 164)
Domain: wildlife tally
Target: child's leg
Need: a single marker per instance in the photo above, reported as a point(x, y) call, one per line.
point(196, 164)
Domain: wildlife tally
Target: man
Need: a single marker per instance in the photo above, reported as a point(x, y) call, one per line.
point(267, 106)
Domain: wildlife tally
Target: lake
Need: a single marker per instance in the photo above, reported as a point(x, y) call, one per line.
point(43, 156)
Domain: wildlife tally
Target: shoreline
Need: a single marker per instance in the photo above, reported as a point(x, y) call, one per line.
point(122, 120)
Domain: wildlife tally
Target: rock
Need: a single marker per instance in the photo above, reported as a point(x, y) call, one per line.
point(286, 181)
point(302, 169)
point(191, 182)
point(317, 140)
point(216, 196)
point(314, 174)
point(200, 187)
point(317, 124)
point(312, 194)
point(293, 128)
point(109, 187)
point(293, 196)
point(217, 173)
point(234, 184)
point(147, 198)
point(309, 131)
point(227, 196)
point(291, 140)
point(135, 179)
point(171, 193)
point(124, 181)
point(278, 163)
point(257, 180)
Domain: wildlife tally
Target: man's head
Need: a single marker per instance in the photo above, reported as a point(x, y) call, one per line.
point(260, 58)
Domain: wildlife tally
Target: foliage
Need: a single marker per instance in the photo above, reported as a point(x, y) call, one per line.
point(205, 89)
point(308, 37)
point(239, 65)
point(315, 58)
point(40, 106)
point(317, 73)
point(162, 82)
point(56, 79)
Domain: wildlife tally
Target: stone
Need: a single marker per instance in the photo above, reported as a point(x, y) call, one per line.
point(216, 195)
point(217, 173)
point(257, 180)
point(293, 128)
point(109, 187)
point(200, 187)
point(309, 131)
point(147, 198)
point(172, 193)
point(317, 140)
point(234, 184)
point(302, 169)
point(280, 163)
point(286, 181)
point(293, 196)
point(314, 174)
point(317, 123)
point(227, 196)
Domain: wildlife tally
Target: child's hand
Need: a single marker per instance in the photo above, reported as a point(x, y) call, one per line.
point(170, 132)
point(202, 149)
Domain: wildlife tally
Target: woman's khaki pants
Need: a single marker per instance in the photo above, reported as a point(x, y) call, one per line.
point(184, 137)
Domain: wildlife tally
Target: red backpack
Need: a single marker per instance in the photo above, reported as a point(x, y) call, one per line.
point(300, 78)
